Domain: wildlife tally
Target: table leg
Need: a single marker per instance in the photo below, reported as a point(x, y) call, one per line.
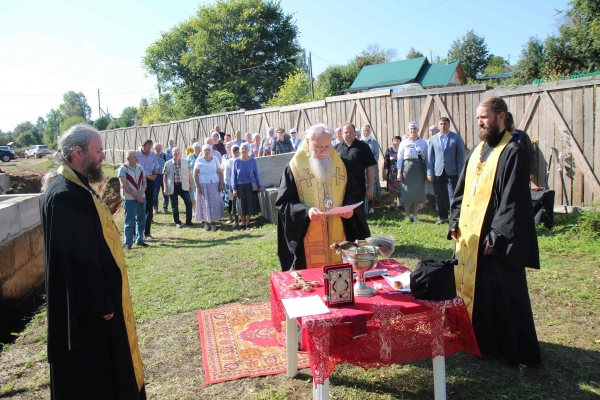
point(291, 346)
point(321, 392)
point(439, 378)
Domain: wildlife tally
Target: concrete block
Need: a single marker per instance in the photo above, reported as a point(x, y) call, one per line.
point(30, 210)
point(10, 221)
point(18, 213)
point(267, 204)
point(270, 168)
point(24, 279)
point(4, 182)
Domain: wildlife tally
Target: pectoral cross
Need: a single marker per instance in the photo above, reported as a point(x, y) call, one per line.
point(337, 176)
point(475, 185)
point(307, 177)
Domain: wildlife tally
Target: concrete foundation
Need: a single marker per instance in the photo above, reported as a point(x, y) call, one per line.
point(4, 183)
point(21, 252)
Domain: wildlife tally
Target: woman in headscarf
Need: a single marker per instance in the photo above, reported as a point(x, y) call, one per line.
point(369, 138)
point(412, 171)
point(243, 175)
point(390, 171)
point(255, 145)
point(208, 176)
point(233, 152)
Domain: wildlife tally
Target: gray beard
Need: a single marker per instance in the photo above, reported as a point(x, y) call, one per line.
point(321, 168)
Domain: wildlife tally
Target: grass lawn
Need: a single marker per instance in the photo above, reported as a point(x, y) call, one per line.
point(189, 269)
point(110, 170)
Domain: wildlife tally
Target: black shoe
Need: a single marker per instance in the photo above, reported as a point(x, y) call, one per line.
point(143, 244)
point(441, 221)
point(401, 208)
point(148, 236)
point(126, 247)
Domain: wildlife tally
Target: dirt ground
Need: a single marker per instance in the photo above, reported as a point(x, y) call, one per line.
point(24, 177)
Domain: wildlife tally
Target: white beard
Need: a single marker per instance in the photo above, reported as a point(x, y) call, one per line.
point(367, 138)
point(321, 168)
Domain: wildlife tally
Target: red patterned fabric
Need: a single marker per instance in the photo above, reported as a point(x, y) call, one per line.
point(399, 328)
point(239, 341)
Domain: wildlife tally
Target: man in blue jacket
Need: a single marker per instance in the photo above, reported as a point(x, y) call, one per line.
point(445, 161)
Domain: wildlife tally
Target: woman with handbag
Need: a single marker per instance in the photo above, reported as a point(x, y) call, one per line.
point(412, 174)
point(246, 185)
point(208, 176)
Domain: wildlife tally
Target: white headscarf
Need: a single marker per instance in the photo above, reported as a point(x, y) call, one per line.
point(371, 135)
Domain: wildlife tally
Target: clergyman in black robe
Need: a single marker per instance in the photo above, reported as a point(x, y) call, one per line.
point(502, 317)
point(88, 346)
point(293, 215)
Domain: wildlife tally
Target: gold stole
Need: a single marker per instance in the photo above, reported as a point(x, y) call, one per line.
point(479, 183)
point(113, 240)
point(330, 229)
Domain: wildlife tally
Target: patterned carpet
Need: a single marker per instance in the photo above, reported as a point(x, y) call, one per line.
point(239, 341)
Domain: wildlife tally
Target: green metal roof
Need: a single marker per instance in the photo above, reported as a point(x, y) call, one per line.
point(438, 74)
point(392, 73)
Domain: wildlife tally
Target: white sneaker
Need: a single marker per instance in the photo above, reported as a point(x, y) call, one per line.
point(213, 228)
point(206, 227)
point(177, 226)
point(235, 225)
point(406, 218)
point(371, 211)
point(415, 219)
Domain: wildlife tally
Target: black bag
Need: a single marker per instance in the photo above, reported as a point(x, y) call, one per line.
point(433, 280)
point(543, 207)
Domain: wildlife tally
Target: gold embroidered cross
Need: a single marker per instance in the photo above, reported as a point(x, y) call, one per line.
point(307, 177)
point(475, 185)
point(337, 176)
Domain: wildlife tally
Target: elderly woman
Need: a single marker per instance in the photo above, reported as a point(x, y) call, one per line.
point(191, 159)
point(218, 145)
point(369, 139)
point(255, 145)
point(412, 171)
point(283, 144)
point(233, 152)
point(390, 171)
point(248, 138)
point(244, 176)
point(208, 176)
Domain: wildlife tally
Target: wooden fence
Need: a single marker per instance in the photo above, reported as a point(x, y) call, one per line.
point(561, 116)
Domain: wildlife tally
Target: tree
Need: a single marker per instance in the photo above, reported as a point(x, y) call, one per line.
point(412, 53)
point(75, 105)
point(28, 127)
point(472, 51)
point(53, 120)
point(159, 110)
point(374, 54)
point(102, 123)
point(295, 89)
point(531, 62)
point(127, 117)
point(26, 139)
point(495, 65)
point(40, 125)
point(237, 50)
point(69, 122)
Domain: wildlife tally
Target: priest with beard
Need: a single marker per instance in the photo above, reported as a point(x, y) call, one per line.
point(92, 341)
point(492, 222)
point(313, 182)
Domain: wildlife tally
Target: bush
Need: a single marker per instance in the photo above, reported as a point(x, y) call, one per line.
point(589, 222)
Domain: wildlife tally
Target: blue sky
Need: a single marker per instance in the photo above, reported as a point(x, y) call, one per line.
point(50, 47)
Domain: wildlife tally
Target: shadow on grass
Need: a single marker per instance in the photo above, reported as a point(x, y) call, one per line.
point(567, 372)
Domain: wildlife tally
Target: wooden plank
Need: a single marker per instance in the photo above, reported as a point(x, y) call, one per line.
point(423, 116)
point(588, 138)
point(302, 106)
point(554, 178)
point(568, 84)
point(428, 92)
point(567, 113)
point(362, 112)
point(597, 138)
point(401, 120)
point(444, 112)
point(542, 164)
point(308, 123)
point(354, 96)
point(260, 111)
point(580, 159)
point(524, 122)
point(395, 126)
point(462, 116)
point(578, 137)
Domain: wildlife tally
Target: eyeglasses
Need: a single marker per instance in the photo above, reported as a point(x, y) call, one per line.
point(321, 148)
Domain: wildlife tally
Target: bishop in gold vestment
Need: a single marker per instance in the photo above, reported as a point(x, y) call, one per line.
point(315, 181)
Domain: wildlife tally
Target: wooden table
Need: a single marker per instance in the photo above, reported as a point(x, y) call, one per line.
point(398, 329)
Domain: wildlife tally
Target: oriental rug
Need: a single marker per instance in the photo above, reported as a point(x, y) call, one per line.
point(239, 341)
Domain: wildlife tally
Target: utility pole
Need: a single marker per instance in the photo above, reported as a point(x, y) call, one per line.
point(99, 109)
point(312, 87)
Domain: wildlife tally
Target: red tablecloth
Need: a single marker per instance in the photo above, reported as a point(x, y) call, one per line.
point(399, 327)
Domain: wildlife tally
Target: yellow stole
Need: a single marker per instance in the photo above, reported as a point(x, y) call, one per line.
point(479, 183)
point(330, 229)
point(113, 240)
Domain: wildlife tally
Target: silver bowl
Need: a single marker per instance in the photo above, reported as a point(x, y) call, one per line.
point(362, 259)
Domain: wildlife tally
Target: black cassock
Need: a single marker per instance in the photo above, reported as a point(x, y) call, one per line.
point(89, 357)
point(293, 221)
point(502, 316)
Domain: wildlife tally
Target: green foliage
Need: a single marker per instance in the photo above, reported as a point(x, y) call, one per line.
point(495, 65)
point(472, 51)
point(412, 53)
point(75, 105)
point(295, 89)
point(374, 54)
point(158, 111)
point(588, 224)
point(239, 51)
point(26, 139)
point(127, 118)
point(102, 123)
point(69, 122)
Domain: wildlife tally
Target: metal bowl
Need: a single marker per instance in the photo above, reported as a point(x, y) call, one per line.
point(362, 259)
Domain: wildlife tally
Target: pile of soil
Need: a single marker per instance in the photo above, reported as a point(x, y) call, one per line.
point(24, 182)
point(110, 192)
